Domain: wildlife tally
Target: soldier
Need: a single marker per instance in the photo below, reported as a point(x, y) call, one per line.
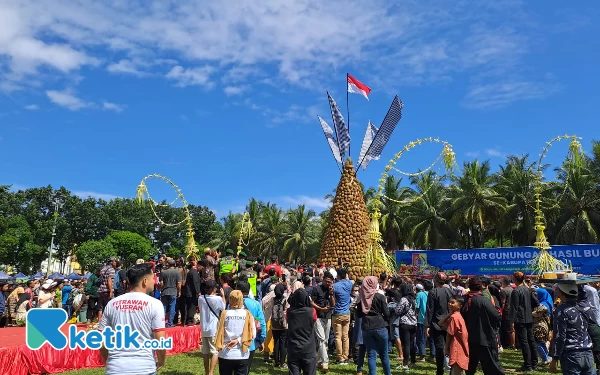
point(227, 265)
point(242, 260)
point(250, 275)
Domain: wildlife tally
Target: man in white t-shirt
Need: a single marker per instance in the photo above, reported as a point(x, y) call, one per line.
point(142, 313)
point(210, 306)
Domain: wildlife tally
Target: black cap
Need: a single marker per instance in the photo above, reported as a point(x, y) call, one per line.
point(274, 258)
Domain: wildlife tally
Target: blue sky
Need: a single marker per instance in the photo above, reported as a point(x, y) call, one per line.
point(223, 98)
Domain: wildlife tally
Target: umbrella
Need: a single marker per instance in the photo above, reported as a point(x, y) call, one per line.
point(4, 276)
point(37, 275)
point(73, 276)
point(56, 275)
point(87, 275)
point(21, 276)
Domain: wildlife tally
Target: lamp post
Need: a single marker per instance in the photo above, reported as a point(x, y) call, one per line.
point(58, 202)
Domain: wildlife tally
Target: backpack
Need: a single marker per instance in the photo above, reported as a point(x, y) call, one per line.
point(117, 280)
point(100, 280)
point(278, 321)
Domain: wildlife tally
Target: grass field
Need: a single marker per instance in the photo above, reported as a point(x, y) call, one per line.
point(191, 364)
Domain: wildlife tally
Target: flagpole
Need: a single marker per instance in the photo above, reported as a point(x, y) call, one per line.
point(348, 109)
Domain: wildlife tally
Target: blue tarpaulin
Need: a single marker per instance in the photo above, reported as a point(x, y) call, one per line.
point(74, 276)
point(21, 276)
point(4, 276)
point(585, 259)
point(56, 275)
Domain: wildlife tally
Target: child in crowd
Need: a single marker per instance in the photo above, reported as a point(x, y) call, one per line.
point(457, 338)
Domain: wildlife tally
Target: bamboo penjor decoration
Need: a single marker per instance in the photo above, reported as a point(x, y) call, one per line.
point(245, 232)
point(143, 194)
point(377, 258)
point(544, 261)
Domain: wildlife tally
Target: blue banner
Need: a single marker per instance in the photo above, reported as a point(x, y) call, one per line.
point(585, 259)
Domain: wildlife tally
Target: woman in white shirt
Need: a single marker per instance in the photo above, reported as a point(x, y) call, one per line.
point(235, 334)
point(47, 294)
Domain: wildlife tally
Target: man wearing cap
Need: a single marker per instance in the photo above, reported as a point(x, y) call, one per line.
point(227, 264)
point(242, 261)
point(571, 343)
point(170, 289)
point(421, 309)
point(250, 275)
point(105, 289)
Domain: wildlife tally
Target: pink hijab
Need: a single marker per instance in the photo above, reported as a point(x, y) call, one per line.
point(367, 292)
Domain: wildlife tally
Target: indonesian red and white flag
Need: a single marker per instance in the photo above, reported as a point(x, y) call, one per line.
point(357, 87)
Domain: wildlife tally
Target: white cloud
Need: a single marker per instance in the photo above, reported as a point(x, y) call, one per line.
point(234, 90)
point(125, 67)
point(495, 153)
point(496, 95)
point(310, 202)
point(87, 194)
point(32, 107)
point(67, 100)
point(191, 77)
point(473, 154)
point(107, 106)
point(295, 43)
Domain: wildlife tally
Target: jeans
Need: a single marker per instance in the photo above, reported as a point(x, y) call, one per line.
point(376, 341)
point(421, 339)
point(577, 363)
point(526, 340)
point(322, 329)
point(280, 347)
point(304, 366)
point(169, 305)
point(341, 326)
point(407, 337)
point(542, 351)
point(68, 309)
point(360, 360)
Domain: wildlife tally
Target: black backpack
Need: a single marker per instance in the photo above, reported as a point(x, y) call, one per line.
point(278, 316)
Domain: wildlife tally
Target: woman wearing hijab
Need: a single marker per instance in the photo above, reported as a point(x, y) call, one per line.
point(12, 304)
point(279, 325)
point(374, 312)
point(301, 345)
point(545, 299)
point(46, 294)
point(235, 333)
point(406, 310)
point(267, 307)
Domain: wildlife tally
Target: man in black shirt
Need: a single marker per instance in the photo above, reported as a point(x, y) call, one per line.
point(482, 319)
point(437, 308)
point(522, 303)
point(323, 301)
point(192, 290)
point(121, 282)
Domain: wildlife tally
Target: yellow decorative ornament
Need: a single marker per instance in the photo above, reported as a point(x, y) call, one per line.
point(143, 194)
point(376, 255)
point(544, 261)
point(245, 232)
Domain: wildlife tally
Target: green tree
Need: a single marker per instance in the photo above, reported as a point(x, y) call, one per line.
point(91, 254)
point(301, 233)
point(130, 246)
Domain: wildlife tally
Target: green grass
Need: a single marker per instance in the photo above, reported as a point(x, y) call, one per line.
point(191, 364)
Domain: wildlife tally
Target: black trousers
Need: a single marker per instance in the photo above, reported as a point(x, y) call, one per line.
point(180, 311)
point(488, 356)
point(191, 304)
point(233, 366)
point(280, 346)
point(304, 366)
point(439, 341)
point(249, 366)
point(408, 338)
point(524, 332)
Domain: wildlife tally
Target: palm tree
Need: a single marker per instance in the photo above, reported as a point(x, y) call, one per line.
point(393, 211)
point(425, 216)
point(270, 230)
point(476, 206)
point(301, 233)
point(516, 182)
point(225, 235)
point(579, 219)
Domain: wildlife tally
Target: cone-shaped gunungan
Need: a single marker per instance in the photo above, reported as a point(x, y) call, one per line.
point(346, 235)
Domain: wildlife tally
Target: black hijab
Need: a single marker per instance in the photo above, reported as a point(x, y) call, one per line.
point(299, 299)
point(407, 292)
point(279, 291)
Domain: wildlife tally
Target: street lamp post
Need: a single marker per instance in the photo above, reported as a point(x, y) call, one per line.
point(58, 203)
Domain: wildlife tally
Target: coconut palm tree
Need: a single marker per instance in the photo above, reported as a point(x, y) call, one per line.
point(301, 233)
point(225, 235)
point(476, 206)
point(270, 230)
point(393, 206)
point(425, 220)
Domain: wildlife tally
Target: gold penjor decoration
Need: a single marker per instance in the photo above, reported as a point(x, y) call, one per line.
point(143, 194)
point(544, 261)
point(377, 257)
point(245, 232)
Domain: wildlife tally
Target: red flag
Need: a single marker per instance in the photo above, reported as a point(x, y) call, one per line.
point(357, 87)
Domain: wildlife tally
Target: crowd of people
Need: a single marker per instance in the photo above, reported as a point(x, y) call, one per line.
point(302, 317)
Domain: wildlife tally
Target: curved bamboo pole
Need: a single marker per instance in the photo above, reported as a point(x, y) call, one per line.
point(375, 253)
point(143, 194)
point(245, 230)
point(543, 261)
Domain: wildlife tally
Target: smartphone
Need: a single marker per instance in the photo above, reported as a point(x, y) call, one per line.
point(340, 262)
